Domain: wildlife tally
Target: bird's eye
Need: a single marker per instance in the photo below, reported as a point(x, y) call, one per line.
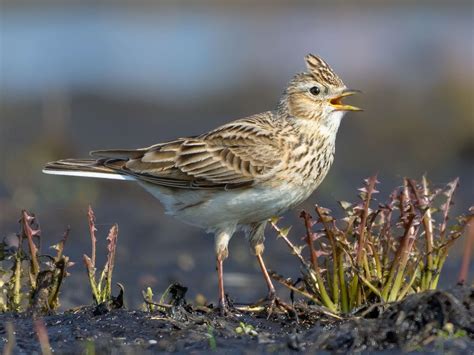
point(314, 90)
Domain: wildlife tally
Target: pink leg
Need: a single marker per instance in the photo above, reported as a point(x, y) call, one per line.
point(220, 277)
point(268, 280)
point(221, 241)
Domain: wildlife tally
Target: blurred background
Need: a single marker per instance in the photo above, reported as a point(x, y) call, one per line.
point(77, 76)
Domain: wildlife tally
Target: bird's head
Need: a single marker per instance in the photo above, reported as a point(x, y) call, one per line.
point(318, 93)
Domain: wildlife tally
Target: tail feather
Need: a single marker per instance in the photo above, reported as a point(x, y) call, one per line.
point(85, 168)
point(118, 153)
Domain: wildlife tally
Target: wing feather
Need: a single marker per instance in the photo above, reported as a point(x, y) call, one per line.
point(234, 155)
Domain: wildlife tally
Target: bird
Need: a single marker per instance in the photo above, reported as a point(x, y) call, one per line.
point(240, 175)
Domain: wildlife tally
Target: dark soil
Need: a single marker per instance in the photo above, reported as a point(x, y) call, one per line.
point(435, 321)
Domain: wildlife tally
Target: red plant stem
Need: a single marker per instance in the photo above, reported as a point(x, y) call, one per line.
point(361, 246)
point(428, 222)
point(452, 187)
point(427, 214)
point(29, 233)
point(307, 222)
point(336, 278)
point(424, 208)
point(400, 259)
point(63, 242)
point(466, 258)
point(112, 247)
point(388, 236)
point(92, 230)
point(412, 230)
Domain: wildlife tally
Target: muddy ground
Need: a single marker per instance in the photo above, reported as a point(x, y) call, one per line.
point(436, 321)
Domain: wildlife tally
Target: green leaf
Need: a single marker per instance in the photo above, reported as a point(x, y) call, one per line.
point(345, 204)
point(284, 232)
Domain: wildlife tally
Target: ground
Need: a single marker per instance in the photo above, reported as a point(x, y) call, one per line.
point(435, 321)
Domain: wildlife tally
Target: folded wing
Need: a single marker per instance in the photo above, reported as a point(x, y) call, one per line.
point(234, 155)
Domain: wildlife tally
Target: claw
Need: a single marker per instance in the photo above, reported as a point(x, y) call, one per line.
point(223, 310)
point(268, 304)
point(272, 302)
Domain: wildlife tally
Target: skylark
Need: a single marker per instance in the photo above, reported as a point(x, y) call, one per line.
point(238, 175)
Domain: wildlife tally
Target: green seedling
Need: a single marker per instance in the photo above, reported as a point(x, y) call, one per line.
point(89, 347)
point(211, 338)
point(172, 297)
point(148, 303)
point(449, 332)
point(246, 329)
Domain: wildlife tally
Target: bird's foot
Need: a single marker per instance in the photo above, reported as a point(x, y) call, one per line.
point(270, 303)
point(225, 307)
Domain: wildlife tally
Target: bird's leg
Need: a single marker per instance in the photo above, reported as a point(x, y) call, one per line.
point(220, 279)
point(221, 242)
point(258, 249)
point(256, 239)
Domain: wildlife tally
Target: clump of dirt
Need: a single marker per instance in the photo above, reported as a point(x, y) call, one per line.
point(435, 321)
point(433, 318)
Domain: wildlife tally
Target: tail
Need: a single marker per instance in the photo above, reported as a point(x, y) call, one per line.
point(86, 168)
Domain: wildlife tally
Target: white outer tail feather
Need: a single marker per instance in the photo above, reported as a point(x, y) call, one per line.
point(89, 174)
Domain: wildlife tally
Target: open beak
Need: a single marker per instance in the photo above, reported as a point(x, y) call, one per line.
point(337, 103)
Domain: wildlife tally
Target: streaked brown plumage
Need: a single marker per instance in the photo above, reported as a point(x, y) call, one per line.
point(239, 175)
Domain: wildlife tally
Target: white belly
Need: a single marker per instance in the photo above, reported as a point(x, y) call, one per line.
point(209, 209)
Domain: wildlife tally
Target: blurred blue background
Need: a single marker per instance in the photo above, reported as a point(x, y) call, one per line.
point(77, 76)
